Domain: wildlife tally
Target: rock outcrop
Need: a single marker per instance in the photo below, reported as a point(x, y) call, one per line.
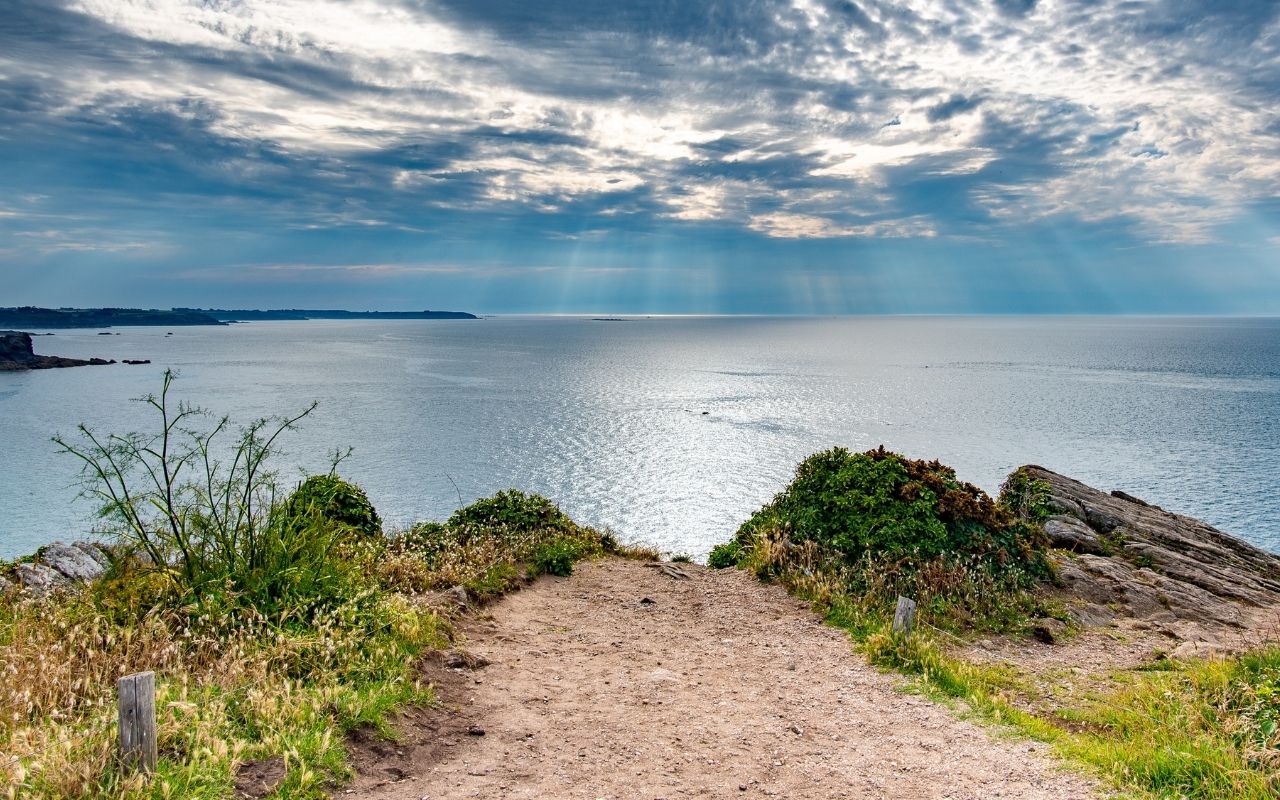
point(17, 353)
point(1132, 559)
point(58, 566)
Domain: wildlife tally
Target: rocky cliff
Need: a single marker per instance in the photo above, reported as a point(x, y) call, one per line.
point(58, 566)
point(17, 353)
point(1125, 557)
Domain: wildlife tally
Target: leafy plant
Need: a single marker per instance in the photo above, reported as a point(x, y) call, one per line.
point(1026, 497)
point(335, 500)
point(875, 525)
point(725, 555)
point(211, 524)
point(554, 558)
point(878, 502)
point(496, 533)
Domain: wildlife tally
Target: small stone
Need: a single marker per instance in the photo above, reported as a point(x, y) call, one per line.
point(647, 601)
point(742, 787)
point(1195, 650)
point(458, 594)
point(1047, 630)
point(461, 659)
point(475, 730)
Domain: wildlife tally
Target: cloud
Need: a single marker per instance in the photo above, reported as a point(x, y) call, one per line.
point(785, 120)
point(783, 225)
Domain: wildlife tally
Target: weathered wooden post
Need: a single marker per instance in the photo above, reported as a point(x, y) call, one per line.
point(138, 721)
point(904, 616)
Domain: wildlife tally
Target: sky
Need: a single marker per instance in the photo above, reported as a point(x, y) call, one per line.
point(678, 156)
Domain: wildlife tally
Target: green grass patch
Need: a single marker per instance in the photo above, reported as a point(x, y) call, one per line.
point(853, 531)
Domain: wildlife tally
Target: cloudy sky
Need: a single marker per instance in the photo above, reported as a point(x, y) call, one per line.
point(771, 156)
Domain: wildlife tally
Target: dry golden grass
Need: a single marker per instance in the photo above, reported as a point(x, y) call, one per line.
point(227, 691)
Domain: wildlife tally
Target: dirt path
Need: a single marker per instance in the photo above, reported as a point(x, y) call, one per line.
point(718, 687)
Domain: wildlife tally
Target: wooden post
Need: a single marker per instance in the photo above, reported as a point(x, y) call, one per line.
point(138, 721)
point(904, 617)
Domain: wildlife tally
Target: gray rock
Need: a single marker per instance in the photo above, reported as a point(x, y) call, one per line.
point(460, 596)
point(1197, 650)
point(16, 354)
point(1048, 630)
point(1069, 533)
point(5, 584)
point(39, 579)
point(1155, 565)
point(71, 561)
point(94, 551)
point(1129, 497)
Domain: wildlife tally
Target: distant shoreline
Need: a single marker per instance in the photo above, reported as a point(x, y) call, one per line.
point(28, 317)
point(288, 314)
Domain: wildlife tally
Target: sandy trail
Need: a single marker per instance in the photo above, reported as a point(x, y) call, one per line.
point(719, 687)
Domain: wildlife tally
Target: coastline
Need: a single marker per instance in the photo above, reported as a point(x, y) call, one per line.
point(453, 696)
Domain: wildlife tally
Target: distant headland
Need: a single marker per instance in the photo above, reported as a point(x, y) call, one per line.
point(28, 317)
point(254, 315)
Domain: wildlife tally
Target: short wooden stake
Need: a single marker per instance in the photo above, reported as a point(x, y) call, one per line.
point(138, 721)
point(904, 616)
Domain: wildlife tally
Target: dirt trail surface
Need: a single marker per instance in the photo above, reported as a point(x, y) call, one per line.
point(624, 682)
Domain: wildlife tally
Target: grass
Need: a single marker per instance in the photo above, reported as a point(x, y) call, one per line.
point(275, 621)
point(234, 685)
point(1203, 730)
point(843, 536)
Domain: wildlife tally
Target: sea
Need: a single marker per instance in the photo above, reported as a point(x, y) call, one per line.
point(671, 431)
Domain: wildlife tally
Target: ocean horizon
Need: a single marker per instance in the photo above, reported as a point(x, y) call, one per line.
point(608, 419)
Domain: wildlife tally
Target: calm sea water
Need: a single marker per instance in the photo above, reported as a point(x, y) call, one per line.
point(672, 431)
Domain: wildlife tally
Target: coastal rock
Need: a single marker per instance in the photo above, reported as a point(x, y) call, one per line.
point(73, 562)
point(1069, 533)
point(16, 353)
point(1133, 559)
point(94, 551)
point(39, 579)
point(1048, 631)
point(1197, 650)
point(59, 566)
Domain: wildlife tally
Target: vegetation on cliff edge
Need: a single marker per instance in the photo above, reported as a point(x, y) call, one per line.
point(853, 531)
point(275, 620)
point(871, 526)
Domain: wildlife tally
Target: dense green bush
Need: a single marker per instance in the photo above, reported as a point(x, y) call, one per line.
point(725, 555)
point(878, 503)
point(1025, 497)
point(335, 500)
point(513, 510)
point(867, 527)
point(554, 558)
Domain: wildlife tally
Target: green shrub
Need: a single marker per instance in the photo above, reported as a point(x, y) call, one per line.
point(725, 555)
point(878, 502)
point(875, 525)
point(513, 510)
point(335, 500)
point(1027, 498)
point(554, 558)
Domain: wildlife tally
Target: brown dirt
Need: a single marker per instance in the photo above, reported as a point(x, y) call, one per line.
point(256, 779)
point(718, 687)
